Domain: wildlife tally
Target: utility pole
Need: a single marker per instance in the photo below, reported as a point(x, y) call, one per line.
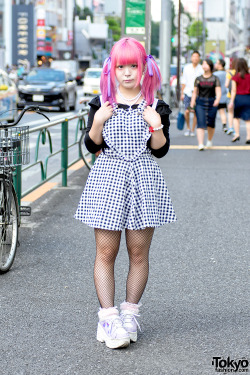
point(73, 32)
point(179, 53)
point(203, 30)
point(165, 48)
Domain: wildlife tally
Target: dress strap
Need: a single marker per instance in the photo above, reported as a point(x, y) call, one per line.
point(155, 102)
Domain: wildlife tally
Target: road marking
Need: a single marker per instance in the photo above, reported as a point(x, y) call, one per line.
point(39, 192)
point(191, 147)
point(76, 166)
point(47, 186)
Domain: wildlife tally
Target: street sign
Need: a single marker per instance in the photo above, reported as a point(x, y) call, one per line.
point(184, 20)
point(184, 39)
point(135, 17)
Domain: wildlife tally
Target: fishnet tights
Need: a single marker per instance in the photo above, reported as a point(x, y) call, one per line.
point(107, 247)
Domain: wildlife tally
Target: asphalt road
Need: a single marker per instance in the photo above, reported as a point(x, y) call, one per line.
point(196, 303)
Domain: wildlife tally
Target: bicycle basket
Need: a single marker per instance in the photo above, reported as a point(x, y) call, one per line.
point(14, 146)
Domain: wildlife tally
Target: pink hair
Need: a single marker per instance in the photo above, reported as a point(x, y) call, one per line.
point(129, 51)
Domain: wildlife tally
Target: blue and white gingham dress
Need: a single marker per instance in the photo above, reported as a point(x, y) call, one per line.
point(125, 187)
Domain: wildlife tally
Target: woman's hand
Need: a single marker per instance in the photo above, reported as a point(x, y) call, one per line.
point(104, 113)
point(152, 117)
point(231, 104)
point(191, 107)
point(216, 103)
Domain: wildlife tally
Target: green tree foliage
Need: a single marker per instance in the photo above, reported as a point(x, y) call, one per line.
point(155, 38)
point(83, 13)
point(115, 26)
point(155, 34)
point(195, 32)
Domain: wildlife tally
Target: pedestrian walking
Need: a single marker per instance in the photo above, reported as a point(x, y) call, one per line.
point(125, 189)
point(222, 107)
point(206, 95)
point(228, 84)
point(240, 98)
point(190, 73)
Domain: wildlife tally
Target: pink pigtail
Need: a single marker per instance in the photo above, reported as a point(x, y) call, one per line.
point(152, 80)
point(106, 86)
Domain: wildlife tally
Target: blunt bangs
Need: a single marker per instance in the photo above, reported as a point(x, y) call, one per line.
point(126, 55)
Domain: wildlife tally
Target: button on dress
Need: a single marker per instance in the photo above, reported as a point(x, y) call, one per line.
point(125, 187)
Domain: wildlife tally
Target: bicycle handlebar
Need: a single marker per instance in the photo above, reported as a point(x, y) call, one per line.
point(34, 108)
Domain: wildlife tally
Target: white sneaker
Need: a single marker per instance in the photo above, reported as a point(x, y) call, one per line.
point(201, 147)
point(129, 312)
point(192, 134)
point(209, 144)
point(187, 133)
point(110, 329)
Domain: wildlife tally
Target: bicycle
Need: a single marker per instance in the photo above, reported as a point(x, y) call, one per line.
point(14, 152)
point(87, 157)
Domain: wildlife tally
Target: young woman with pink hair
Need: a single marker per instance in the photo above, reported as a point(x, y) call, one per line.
point(125, 188)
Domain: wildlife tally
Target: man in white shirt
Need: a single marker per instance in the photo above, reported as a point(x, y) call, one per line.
point(190, 72)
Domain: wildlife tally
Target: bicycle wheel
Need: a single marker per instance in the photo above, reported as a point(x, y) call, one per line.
point(87, 157)
point(8, 225)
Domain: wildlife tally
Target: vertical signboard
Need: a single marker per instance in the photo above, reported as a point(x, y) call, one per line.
point(135, 17)
point(136, 20)
point(23, 46)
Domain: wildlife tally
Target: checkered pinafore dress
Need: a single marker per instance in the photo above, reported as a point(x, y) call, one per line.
point(125, 187)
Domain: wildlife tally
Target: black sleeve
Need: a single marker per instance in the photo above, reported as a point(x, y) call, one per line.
point(164, 111)
point(197, 82)
point(91, 146)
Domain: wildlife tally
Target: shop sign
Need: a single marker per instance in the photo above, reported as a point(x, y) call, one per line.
point(23, 34)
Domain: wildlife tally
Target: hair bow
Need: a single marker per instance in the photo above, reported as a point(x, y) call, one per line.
point(151, 62)
point(108, 61)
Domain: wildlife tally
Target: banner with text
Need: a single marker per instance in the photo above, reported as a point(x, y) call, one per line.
point(23, 46)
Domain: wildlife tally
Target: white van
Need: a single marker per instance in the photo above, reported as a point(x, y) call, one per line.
point(91, 81)
point(71, 66)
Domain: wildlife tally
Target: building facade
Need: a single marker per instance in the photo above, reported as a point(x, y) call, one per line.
point(52, 29)
point(238, 36)
point(216, 25)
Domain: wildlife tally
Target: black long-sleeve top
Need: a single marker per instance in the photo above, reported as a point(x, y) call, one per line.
point(162, 108)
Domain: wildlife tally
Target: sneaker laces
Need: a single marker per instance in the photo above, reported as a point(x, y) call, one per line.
point(130, 316)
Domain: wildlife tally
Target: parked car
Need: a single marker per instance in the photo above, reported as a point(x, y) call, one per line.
point(48, 87)
point(8, 98)
point(91, 81)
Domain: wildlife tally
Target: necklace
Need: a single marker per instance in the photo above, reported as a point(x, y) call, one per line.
point(129, 102)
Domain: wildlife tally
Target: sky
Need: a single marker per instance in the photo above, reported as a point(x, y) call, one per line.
point(156, 10)
point(156, 7)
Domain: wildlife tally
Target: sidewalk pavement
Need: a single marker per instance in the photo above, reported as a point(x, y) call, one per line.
point(195, 305)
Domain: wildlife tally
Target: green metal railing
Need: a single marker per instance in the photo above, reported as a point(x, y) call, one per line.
point(44, 133)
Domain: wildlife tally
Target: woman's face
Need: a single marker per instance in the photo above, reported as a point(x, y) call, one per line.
point(127, 75)
point(206, 67)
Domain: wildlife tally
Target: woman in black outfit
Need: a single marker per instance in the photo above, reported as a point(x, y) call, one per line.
point(206, 95)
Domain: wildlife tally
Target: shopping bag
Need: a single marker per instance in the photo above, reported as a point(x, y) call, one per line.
point(181, 117)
